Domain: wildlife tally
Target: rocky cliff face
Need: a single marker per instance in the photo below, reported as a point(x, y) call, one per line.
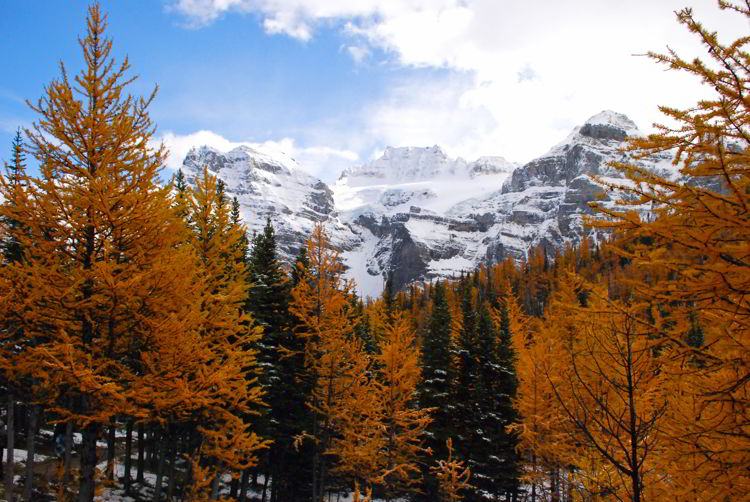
point(420, 214)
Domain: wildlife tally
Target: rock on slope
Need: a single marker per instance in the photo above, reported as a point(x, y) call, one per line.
point(419, 214)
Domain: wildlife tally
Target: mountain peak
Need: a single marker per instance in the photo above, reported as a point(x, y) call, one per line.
point(241, 156)
point(406, 151)
point(609, 125)
point(407, 163)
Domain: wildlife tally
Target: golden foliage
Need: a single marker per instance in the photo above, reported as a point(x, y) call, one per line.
point(452, 476)
point(694, 248)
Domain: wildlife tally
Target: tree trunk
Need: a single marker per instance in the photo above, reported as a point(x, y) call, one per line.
point(161, 453)
point(151, 442)
point(111, 452)
point(139, 478)
point(215, 488)
point(20, 419)
point(3, 438)
point(10, 447)
point(128, 454)
point(28, 489)
point(233, 487)
point(87, 488)
point(533, 484)
point(265, 486)
point(315, 467)
point(172, 461)
point(243, 485)
point(554, 489)
point(636, 487)
point(68, 452)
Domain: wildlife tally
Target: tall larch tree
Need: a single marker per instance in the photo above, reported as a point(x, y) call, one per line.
point(542, 432)
point(402, 422)
point(221, 380)
point(697, 234)
point(604, 369)
point(101, 245)
point(320, 302)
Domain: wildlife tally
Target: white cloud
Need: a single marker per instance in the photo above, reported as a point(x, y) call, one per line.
point(358, 52)
point(321, 161)
point(204, 12)
point(523, 72)
point(427, 112)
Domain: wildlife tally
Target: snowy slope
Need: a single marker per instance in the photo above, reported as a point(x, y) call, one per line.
point(402, 201)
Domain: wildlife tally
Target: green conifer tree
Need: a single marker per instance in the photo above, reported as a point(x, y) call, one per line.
point(436, 387)
point(465, 386)
point(281, 360)
point(236, 219)
point(495, 463)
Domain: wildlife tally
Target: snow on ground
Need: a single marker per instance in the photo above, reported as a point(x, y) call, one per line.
point(78, 439)
point(451, 265)
point(21, 455)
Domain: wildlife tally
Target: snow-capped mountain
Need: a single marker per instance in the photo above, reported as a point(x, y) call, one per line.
point(419, 214)
point(271, 185)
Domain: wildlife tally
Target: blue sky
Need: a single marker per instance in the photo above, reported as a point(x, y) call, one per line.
point(332, 82)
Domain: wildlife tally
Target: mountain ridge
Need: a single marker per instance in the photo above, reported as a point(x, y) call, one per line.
point(417, 213)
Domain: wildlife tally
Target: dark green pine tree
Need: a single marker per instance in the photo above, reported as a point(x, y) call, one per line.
point(179, 181)
point(389, 296)
point(221, 189)
point(300, 266)
point(364, 329)
point(15, 175)
point(281, 361)
point(236, 220)
point(436, 388)
point(467, 439)
point(495, 461)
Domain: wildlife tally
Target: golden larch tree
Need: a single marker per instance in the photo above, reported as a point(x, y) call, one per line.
point(696, 242)
point(334, 358)
point(402, 423)
point(606, 374)
point(102, 250)
point(209, 379)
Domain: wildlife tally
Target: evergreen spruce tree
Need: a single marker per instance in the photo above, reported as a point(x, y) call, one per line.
point(465, 397)
point(495, 463)
point(179, 181)
point(484, 387)
point(236, 220)
point(436, 388)
point(280, 354)
point(301, 265)
point(15, 174)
